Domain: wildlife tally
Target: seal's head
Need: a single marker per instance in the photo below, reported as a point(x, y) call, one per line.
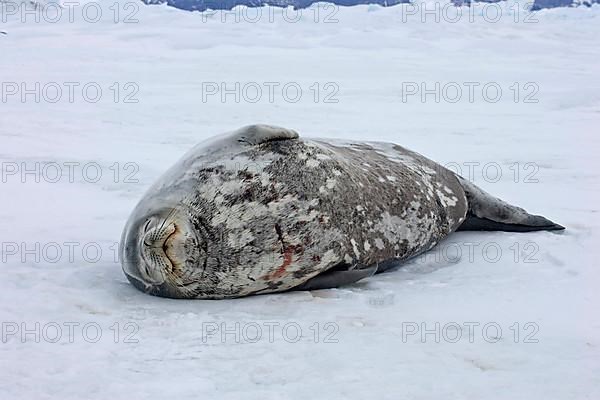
point(162, 253)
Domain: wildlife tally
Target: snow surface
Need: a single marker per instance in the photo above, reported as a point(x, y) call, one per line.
point(366, 348)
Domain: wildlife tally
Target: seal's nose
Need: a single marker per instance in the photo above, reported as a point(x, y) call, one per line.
point(156, 237)
point(153, 249)
point(166, 247)
point(177, 247)
point(154, 246)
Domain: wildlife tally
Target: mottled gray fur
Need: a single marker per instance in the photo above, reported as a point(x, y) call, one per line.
point(261, 210)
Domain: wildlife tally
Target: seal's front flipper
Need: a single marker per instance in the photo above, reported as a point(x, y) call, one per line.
point(488, 213)
point(336, 278)
point(257, 134)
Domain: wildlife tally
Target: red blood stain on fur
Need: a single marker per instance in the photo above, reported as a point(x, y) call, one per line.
point(287, 260)
point(288, 253)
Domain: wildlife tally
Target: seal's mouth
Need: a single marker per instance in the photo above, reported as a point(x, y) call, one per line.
point(154, 244)
point(163, 250)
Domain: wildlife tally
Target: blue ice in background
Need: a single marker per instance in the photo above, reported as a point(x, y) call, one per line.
point(203, 5)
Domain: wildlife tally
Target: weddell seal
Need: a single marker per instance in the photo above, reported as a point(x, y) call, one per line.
point(261, 210)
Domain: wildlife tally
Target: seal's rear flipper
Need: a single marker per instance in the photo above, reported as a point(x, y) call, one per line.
point(488, 213)
point(336, 278)
point(473, 223)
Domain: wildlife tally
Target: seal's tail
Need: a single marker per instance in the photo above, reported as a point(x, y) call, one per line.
point(488, 213)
